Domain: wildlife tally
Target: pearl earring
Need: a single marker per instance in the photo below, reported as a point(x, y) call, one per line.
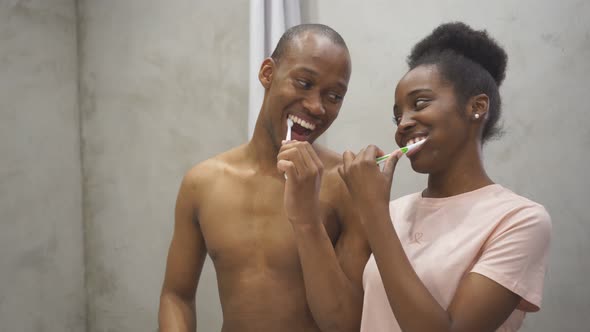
point(476, 116)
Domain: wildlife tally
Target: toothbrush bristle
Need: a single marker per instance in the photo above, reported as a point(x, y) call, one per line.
point(289, 125)
point(412, 146)
point(420, 142)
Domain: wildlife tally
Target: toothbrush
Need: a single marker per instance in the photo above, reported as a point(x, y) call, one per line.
point(288, 138)
point(404, 150)
point(289, 125)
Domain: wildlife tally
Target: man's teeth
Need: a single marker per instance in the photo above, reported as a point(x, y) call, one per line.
point(301, 122)
point(415, 140)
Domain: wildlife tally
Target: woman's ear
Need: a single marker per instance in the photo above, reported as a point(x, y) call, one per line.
point(478, 107)
point(266, 72)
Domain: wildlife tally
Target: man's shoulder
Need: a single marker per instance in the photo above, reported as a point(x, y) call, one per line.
point(209, 169)
point(331, 159)
point(333, 185)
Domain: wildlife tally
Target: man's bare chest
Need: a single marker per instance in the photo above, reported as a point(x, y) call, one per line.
point(247, 226)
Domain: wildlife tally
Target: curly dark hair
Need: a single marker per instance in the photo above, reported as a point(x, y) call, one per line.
point(471, 61)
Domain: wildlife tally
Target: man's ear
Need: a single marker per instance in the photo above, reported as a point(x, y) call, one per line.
point(478, 106)
point(266, 72)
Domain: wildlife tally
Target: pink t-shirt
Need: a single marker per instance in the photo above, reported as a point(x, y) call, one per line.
point(490, 231)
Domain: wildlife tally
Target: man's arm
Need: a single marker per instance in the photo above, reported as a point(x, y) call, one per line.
point(184, 264)
point(333, 277)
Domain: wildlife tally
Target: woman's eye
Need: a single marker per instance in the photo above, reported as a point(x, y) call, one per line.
point(304, 84)
point(421, 102)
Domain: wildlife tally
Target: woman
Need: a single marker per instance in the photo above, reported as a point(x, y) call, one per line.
point(465, 254)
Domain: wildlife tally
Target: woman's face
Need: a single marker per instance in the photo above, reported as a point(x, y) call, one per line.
point(426, 107)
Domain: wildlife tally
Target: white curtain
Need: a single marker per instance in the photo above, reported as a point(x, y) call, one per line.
point(268, 21)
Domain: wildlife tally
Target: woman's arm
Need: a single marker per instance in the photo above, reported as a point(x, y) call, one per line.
point(480, 304)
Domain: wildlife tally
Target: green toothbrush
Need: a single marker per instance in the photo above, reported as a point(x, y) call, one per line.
point(404, 150)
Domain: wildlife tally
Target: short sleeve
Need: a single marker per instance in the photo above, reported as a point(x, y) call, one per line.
point(516, 254)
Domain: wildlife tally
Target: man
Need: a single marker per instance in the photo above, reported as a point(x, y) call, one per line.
point(275, 216)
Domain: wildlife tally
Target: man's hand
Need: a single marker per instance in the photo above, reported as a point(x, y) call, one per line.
point(304, 169)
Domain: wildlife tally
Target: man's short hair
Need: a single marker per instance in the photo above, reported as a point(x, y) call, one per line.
point(296, 31)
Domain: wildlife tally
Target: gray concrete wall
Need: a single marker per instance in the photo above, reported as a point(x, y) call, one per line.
point(41, 251)
point(548, 43)
point(163, 87)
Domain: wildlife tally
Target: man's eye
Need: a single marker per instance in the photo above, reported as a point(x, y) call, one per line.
point(335, 97)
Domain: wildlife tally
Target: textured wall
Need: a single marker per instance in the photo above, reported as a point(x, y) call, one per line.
point(41, 251)
point(163, 86)
point(548, 43)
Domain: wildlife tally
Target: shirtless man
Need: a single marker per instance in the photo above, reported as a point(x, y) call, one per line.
point(282, 246)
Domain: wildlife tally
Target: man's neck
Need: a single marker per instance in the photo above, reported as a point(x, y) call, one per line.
point(262, 151)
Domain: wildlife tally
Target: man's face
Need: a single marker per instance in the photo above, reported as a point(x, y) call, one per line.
point(308, 85)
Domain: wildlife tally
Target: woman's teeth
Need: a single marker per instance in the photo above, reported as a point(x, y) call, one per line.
point(415, 140)
point(301, 122)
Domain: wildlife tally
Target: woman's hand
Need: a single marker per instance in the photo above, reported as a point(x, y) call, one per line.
point(369, 187)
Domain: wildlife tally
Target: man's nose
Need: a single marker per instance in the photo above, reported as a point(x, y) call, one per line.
point(313, 103)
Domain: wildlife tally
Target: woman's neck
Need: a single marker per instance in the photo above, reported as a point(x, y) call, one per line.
point(465, 173)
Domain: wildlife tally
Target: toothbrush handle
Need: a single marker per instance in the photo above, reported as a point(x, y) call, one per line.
point(382, 159)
